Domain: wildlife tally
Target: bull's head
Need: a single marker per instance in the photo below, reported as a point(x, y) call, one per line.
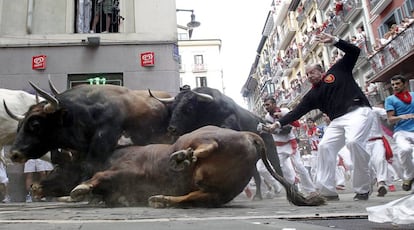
point(189, 111)
point(36, 129)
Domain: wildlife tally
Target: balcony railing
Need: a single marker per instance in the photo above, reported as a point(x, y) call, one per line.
point(299, 92)
point(309, 46)
point(377, 6)
point(339, 24)
point(301, 18)
point(197, 68)
point(390, 53)
point(182, 68)
point(322, 4)
point(308, 6)
point(351, 9)
point(288, 31)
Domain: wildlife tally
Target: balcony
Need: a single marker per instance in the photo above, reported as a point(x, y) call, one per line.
point(308, 47)
point(287, 72)
point(277, 70)
point(299, 93)
point(301, 18)
point(308, 6)
point(182, 68)
point(199, 68)
point(322, 4)
point(377, 6)
point(339, 24)
point(288, 31)
point(352, 9)
point(281, 12)
point(396, 57)
point(363, 56)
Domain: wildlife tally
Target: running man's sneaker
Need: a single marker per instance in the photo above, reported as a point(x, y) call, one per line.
point(29, 198)
point(6, 199)
point(406, 186)
point(382, 190)
point(361, 196)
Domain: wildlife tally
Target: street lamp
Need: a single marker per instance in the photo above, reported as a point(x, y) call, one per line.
point(191, 25)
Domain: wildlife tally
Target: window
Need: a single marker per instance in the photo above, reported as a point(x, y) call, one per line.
point(95, 79)
point(91, 16)
point(183, 36)
point(408, 7)
point(198, 59)
point(201, 81)
point(395, 18)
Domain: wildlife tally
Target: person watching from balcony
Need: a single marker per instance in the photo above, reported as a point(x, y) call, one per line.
point(339, 8)
point(105, 7)
point(360, 34)
point(400, 113)
point(406, 22)
point(336, 93)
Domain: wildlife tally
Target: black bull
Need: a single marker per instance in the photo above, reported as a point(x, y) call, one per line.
point(207, 167)
point(192, 109)
point(90, 119)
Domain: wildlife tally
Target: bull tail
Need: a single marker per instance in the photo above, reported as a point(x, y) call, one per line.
point(292, 194)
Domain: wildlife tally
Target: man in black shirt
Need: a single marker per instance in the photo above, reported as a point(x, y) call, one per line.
point(338, 95)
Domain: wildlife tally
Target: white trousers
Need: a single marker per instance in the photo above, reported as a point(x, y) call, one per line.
point(403, 139)
point(288, 158)
point(3, 174)
point(352, 130)
point(378, 163)
point(266, 176)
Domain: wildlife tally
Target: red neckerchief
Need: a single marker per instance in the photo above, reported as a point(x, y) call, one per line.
point(311, 131)
point(404, 96)
point(317, 84)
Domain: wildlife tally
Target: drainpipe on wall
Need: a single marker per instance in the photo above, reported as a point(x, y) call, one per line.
point(29, 19)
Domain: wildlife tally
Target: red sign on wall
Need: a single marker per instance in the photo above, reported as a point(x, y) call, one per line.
point(147, 59)
point(39, 62)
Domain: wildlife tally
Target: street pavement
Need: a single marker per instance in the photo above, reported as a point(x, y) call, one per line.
point(241, 213)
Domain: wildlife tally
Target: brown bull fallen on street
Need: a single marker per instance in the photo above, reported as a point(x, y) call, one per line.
point(205, 168)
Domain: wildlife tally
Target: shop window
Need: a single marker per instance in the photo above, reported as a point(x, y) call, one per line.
point(95, 79)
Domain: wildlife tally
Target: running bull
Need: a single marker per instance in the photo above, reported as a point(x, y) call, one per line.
point(192, 109)
point(89, 119)
point(205, 168)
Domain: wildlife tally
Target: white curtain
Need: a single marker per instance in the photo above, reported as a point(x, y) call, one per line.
point(83, 18)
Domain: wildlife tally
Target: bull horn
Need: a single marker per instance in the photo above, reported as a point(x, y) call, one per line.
point(51, 99)
point(12, 115)
point(208, 97)
point(163, 100)
point(52, 87)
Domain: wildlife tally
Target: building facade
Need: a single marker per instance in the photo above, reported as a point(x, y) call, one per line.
point(51, 39)
point(289, 47)
point(200, 63)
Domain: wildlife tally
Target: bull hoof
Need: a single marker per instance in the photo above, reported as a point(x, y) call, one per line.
point(80, 192)
point(159, 201)
point(182, 159)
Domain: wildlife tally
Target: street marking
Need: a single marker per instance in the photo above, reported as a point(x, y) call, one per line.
point(321, 216)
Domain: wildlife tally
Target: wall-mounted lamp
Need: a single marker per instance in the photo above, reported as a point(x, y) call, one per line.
point(191, 25)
